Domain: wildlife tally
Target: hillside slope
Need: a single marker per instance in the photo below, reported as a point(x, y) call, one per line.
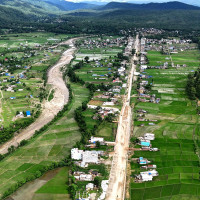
point(150, 6)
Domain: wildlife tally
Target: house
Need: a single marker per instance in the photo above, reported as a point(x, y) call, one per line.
point(28, 113)
point(76, 154)
point(90, 157)
point(143, 161)
point(149, 136)
point(151, 172)
point(147, 176)
point(96, 139)
point(89, 186)
point(104, 186)
point(145, 143)
point(108, 104)
point(149, 167)
point(143, 67)
point(85, 177)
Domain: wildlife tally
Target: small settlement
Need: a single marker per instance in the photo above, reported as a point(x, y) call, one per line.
point(109, 75)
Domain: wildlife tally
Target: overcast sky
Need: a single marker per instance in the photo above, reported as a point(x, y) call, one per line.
point(194, 2)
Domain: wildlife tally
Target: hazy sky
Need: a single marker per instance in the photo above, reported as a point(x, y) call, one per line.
point(194, 2)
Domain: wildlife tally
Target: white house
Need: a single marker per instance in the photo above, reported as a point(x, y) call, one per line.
point(90, 186)
point(76, 154)
point(96, 139)
point(149, 136)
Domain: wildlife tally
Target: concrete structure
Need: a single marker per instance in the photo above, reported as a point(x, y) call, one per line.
point(90, 157)
point(149, 136)
point(76, 154)
point(89, 186)
point(96, 139)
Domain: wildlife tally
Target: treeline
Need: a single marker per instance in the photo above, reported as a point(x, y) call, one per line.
point(193, 85)
point(35, 175)
point(78, 115)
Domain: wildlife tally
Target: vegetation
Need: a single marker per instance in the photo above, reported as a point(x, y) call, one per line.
point(193, 85)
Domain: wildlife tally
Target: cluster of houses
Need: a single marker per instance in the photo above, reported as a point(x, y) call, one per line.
point(144, 176)
point(129, 47)
point(82, 176)
point(100, 43)
point(174, 45)
point(110, 99)
point(83, 158)
point(103, 111)
point(91, 186)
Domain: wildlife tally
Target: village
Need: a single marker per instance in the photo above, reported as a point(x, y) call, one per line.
point(99, 82)
point(106, 105)
point(23, 65)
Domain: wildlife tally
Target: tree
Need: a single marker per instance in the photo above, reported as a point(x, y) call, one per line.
point(87, 59)
point(97, 181)
point(98, 144)
point(84, 105)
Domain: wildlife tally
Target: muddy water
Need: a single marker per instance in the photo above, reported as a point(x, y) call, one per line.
point(28, 190)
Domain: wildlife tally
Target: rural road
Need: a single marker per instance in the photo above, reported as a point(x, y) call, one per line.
point(117, 179)
point(49, 109)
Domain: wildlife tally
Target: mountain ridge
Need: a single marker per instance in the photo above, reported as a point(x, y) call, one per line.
point(175, 5)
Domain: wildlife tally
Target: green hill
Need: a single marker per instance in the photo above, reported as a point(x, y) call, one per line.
point(150, 6)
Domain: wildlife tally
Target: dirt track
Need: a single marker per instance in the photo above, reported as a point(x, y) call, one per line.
point(49, 109)
point(117, 179)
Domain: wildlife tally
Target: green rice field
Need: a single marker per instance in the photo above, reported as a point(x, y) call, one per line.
point(177, 133)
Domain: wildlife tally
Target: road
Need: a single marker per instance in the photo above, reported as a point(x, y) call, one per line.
point(117, 179)
point(49, 109)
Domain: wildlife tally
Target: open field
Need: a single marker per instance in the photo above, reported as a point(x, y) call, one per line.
point(176, 131)
point(53, 145)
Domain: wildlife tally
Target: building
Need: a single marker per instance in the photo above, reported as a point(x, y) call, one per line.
point(90, 157)
point(86, 177)
point(104, 186)
point(143, 161)
point(90, 186)
point(149, 136)
point(147, 176)
point(145, 143)
point(28, 113)
point(76, 154)
point(96, 139)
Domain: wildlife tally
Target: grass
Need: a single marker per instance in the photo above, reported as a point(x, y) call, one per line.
point(53, 145)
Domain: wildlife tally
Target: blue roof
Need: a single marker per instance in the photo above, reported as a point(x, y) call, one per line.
point(28, 113)
point(143, 162)
point(147, 144)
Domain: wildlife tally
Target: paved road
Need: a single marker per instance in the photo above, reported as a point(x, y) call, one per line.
point(117, 180)
point(50, 109)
